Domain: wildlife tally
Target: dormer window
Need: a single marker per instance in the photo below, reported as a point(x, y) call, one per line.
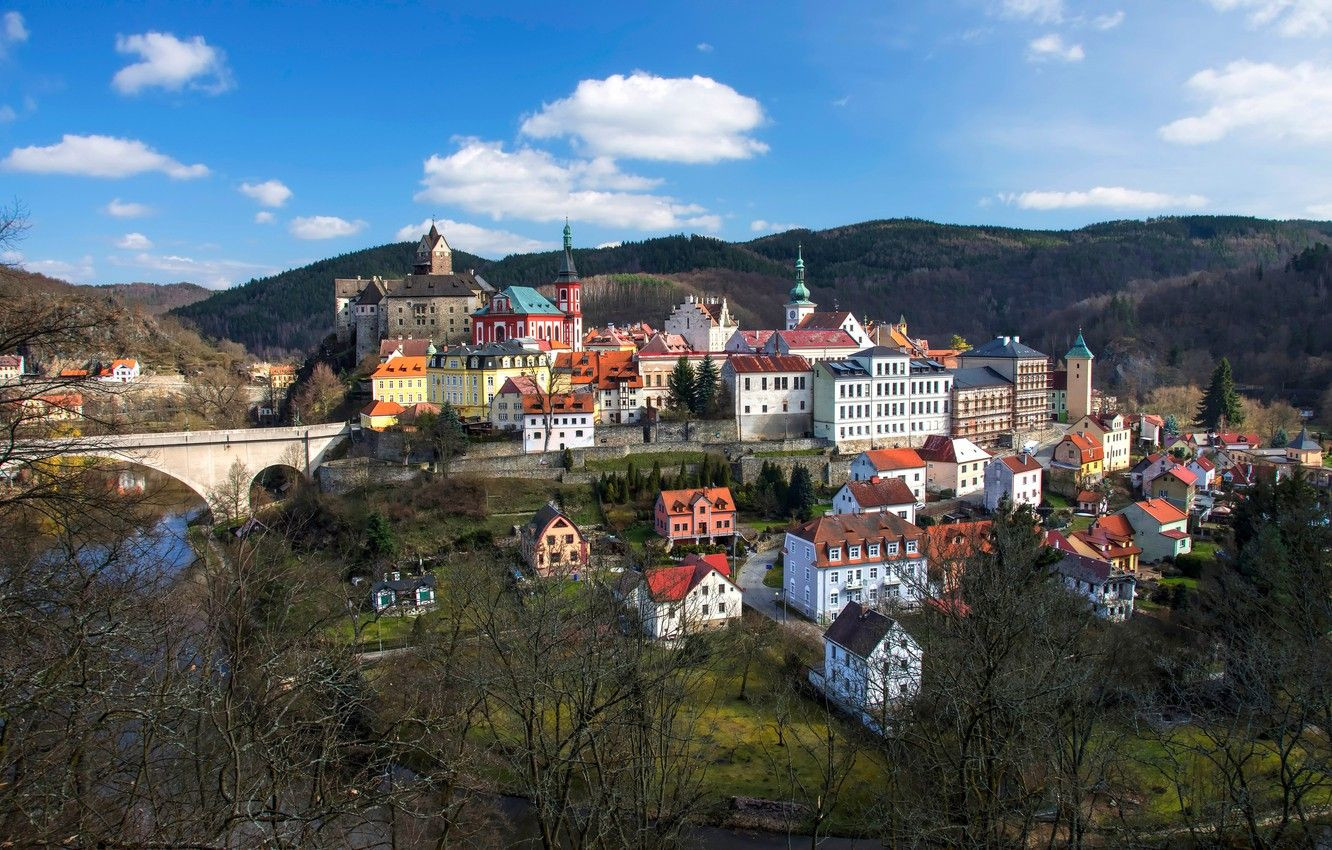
point(892, 548)
point(854, 553)
point(911, 546)
point(835, 554)
point(874, 550)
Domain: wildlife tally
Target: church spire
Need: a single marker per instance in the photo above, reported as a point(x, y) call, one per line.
point(799, 294)
point(568, 272)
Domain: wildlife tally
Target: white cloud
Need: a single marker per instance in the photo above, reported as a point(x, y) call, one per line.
point(1322, 211)
point(1272, 101)
point(169, 63)
point(1290, 17)
point(324, 227)
point(1052, 46)
point(764, 226)
point(98, 156)
point(214, 274)
point(15, 29)
point(263, 217)
point(127, 209)
point(704, 47)
point(643, 116)
point(270, 193)
point(134, 242)
point(475, 240)
point(842, 101)
point(1040, 11)
point(1109, 21)
point(1112, 197)
point(531, 184)
point(75, 271)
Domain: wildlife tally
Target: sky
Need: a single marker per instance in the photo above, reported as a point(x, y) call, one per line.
point(215, 142)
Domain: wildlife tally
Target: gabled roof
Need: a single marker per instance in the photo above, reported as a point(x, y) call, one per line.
point(1114, 525)
point(542, 519)
point(881, 492)
point(974, 377)
point(755, 339)
point(959, 540)
point(858, 629)
point(1161, 510)
point(559, 403)
point(1021, 463)
point(716, 561)
point(372, 294)
point(1089, 496)
point(816, 339)
point(942, 449)
point(462, 285)
point(420, 408)
point(401, 367)
point(1181, 473)
point(889, 460)
point(520, 385)
point(603, 369)
point(843, 529)
point(1004, 346)
point(1083, 568)
point(1088, 447)
point(683, 501)
point(404, 584)
point(664, 343)
point(523, 301)
point(409, 347)
point(382, 408)
point(830, 321)
point(1152, 419)
point(1203, 463)
point(747, 363)
point(672, 584)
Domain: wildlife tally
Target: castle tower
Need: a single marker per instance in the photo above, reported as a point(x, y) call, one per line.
point(433, 254)
point(799, 306)
point(569, 294)
point(1079, 360)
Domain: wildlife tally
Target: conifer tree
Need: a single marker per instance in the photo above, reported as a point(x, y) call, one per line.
point(800, 497)
point(1220, 405)
point(705, 389)
point(654, 479)
point(681, 386)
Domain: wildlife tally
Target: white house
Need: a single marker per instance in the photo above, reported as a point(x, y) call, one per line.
point(842, 320)
point(1204, 470)
point(905, 464)
point(705, 323)
point(121, 371)
point(772, 395)
point(876, 495)
point(813, 345)
point(558, 421)
point(873, 558)
point(506, 408)
point(697, 595)
point(1112, 429)
point(11, 368)
point(870, 664)
point(1109, 591)
point(880, 397)
point(953, 463)
point(1016, 478)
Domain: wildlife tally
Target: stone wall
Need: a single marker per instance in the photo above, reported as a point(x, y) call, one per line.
point(342, 476)
point(833, 470)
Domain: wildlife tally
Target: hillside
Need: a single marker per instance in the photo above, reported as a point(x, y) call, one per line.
point(156, 299)
point(976, 281)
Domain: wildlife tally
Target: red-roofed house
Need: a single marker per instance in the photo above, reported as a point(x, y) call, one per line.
point(1083, 455)
point(1091, 502)
point(697, 595)
point(905, 464)
point(813, 345)
point(506, 408)
point(611, 375)
point(772, 394)
point(748, 342)
point(1109, 538)
point(378, 415)
point(1232, 440)
point(695, 516)
point(1151, 430)
point(949, 548)
point(1175, 483)
point(1016, 478)
point(558, 421)
point(121, 371)
point(1204, 470)
point(1159, 527)
point(953, 463)
point(877, 495)
point(401, 379)
point(869, 558)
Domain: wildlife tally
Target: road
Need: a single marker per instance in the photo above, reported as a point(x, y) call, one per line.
point(762, 598)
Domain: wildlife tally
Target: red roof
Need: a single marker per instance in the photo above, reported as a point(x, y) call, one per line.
point(885, 460)
point(672, 584)
point(1089, 448)
point(1204, 464)
point(401, 367)
point(410, 347)
point(1153, 420)
point(1174, 534)
point(559, 403)
point(823, 321)
point(716, 560)
point(1089, 496)
point(817, 339)
point(1234, 438)
point(1183, 473)
point(746, 363)
point(1022, 463)
point(755, 339)
point(1161, 510)
point(520, 385)
point(881, 492)
point(679, 502)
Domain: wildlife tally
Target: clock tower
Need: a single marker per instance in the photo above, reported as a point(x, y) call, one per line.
point(799, 306)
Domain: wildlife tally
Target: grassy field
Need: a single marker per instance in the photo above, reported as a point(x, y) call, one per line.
point(1182, 581)
point(1055, 500)
point(670, 461)
point(1080, 523)
point(774, 578)
point(798, 453)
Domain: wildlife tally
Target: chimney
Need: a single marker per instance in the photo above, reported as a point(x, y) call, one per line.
point(1006, 340)
point(874, 479)
point(1017, 339)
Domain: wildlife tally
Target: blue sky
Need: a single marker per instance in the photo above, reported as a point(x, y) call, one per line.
point(213, 143)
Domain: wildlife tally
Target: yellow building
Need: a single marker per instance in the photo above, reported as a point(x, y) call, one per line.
point(1112, 429)
point(401, 380)
point(1079, 359)
point(378, 415)
point(469, 376)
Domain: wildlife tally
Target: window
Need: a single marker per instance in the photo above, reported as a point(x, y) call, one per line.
point(911, 546)
point(833, 578)
point(873, 553)
point(832, 599)
point(721, 607)
point(835, 554)
point(892, 548)
point(705, 610)
point(874, 572)
point(854, 553)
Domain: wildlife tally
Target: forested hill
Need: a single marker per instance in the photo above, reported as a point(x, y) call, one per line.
point(946, 279)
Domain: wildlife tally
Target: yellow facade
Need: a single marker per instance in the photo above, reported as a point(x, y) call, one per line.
point(400, 379)
point(469, 376)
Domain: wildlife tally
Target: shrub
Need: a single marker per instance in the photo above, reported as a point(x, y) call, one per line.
point(1192, 564)
point(947, 493)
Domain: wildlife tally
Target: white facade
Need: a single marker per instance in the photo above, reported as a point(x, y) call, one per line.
point(964, 474)
point(868, 465)
point(712, 603)
point(1115, 435)
point(870, 682)
point(706, 324)
point(573, 430)
point(846, 501)
point(870, 572)
point(1016, 478)
point(773, 395)
point(880, 397)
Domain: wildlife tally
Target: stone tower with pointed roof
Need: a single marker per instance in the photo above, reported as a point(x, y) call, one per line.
point(1079, 359)
point(799, 306)
point(568, 293)
point(433, 254)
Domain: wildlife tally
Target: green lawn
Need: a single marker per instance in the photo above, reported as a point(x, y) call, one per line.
point(1184, 581)
point(1080, 523)
point(670, 461)
point(1055, 500)
point(1206, 548)
point(774, 578)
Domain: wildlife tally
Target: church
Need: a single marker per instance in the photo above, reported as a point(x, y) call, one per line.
point(521, 311)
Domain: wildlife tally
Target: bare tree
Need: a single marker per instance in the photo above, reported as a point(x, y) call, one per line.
point(319, 395)
point(230, 498)
point(221, 396)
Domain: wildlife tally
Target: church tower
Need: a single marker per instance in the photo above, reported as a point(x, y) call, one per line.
point(569, 294)
point(1079, 360)
point(799, 306)
point(433, 254)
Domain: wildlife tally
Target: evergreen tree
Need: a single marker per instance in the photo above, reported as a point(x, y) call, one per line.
point(1280, 439)
point(379, 540)
point(654, 479)
point(705, 389)
point(681, 386)
point(682, 481)
point(1172, 424)
point(1220, 404)
point(800, 497)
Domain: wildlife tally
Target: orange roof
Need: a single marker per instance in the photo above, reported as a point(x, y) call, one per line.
point(605, 369)
point(128, 363)
point(67, 401)
point(679, 502)
point(382, 408)
point(891, 459)
point(827, 532)
point(73, 373)
point(559, 403)
point(1161, 510)
point(717, 561)
point(1183, 473)
point(958, 540)
point(1089, 448)
point(1021, 463)
point(671, 584)
point(1089, 496)
point(401, 367)
point(1115, 525)
point(881, 492)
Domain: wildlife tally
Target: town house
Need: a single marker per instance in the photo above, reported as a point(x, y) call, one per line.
point(1114, 434)
point(672, 602)
point(1016, 478)
point(701, 515)
point(905, 464)
point(1109, 591)
point(1160, 528)
point(772, 394)
point(1026, 368)
point(880, 397)
point(873, 558)
point(953, 463)
point(552, 545)
point(870, 664)
point(704, 323)
point(876, 495)
point(558, 421)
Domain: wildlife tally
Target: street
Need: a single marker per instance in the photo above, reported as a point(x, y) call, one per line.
point(762, 598)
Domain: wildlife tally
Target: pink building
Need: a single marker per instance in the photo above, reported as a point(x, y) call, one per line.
point(693, 516)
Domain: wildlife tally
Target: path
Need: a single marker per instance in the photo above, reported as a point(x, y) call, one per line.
point(763, 599)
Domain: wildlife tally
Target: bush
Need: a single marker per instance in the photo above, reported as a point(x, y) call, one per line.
point(947, 493)
point(1191, 565)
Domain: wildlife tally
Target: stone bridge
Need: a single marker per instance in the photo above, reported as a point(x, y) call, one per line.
point(202, 460)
